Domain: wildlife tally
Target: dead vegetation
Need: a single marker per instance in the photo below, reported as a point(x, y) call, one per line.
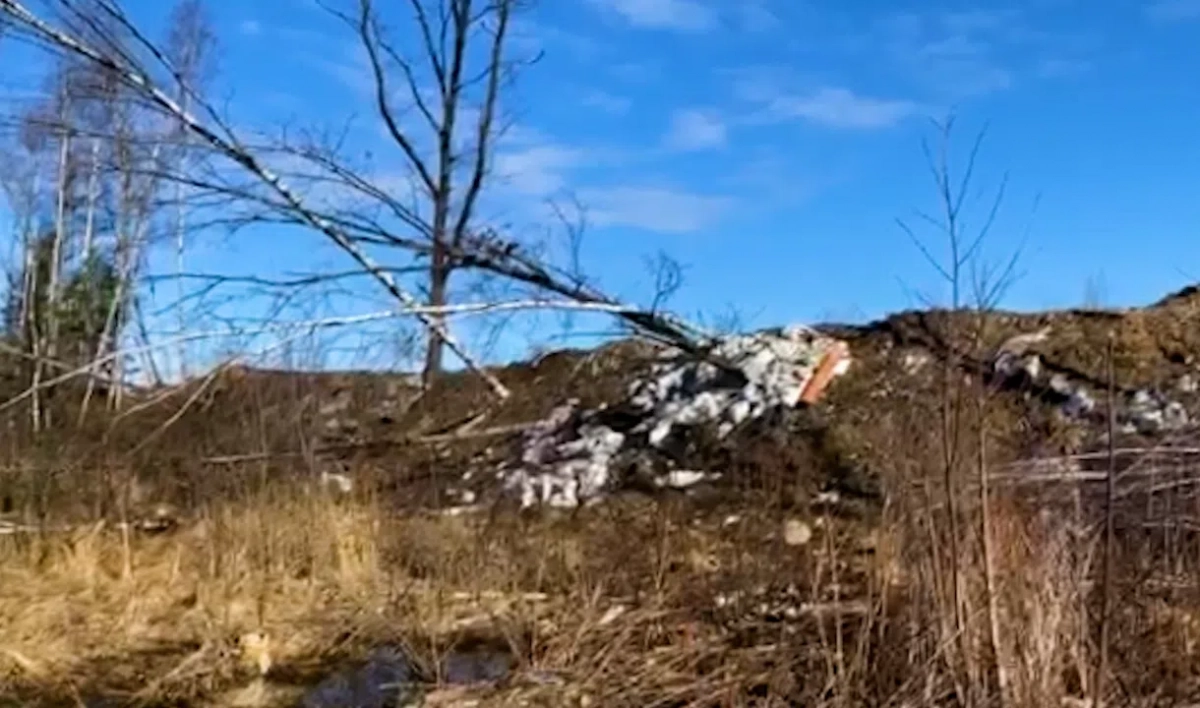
point(814, 573)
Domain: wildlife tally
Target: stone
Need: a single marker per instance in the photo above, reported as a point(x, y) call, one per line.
point(796, 532)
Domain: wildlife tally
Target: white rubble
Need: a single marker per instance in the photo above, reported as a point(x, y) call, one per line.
point(567, 461)
point(682, 479)
point(776, 369)
point(1151, 412)
point(1078, 403)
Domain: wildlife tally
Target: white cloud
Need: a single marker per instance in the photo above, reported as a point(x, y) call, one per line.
point(679, 15)
point(532, 38)
point(250, 28)
point(695, 130)
point(955, 54)
point(1173, 10)
point(538, 170)
point(660, 209)
point(842, 108)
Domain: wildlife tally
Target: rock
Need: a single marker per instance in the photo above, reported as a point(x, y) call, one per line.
point(484, 665)
point(914, 362)
point(255, 648)
point(796, 532)
point(1187, 384)
point(1021, 343)
point(1175, 416)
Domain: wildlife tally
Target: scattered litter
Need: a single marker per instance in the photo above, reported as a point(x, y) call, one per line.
point(611, 615)
point(682, 479)
point(461, 510)
point(335, 480)
point(829, 497)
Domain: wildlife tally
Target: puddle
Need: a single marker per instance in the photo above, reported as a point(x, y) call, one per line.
point(386, 679)
point(389, 679)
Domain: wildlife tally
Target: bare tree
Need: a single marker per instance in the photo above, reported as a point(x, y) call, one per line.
point(269, 195)
point(191, 42)
point(457, 106)
point(94, 156)
point(976, 286)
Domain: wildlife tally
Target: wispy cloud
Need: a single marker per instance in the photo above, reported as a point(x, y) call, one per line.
point(695, 129)
point(678, 15)
point(842, 108)
point(955, 54)
point(1173, 10)
point(531, 38)
point(655, 208)
point(250, 28)
point(538, 170)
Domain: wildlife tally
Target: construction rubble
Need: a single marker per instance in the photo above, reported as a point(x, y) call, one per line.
point(574, 456)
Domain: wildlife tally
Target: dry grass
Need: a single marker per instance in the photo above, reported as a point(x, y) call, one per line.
point(265, 588)
point(613, 607)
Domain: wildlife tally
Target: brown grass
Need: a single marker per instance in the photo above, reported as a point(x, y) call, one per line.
point(614, 607)
point(268, 586)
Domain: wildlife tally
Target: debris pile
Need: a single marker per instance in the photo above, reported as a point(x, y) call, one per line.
point(1143, 412)
point(573, 456)
point(1149, 412)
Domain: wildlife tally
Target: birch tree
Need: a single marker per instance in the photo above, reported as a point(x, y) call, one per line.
point(437, 224)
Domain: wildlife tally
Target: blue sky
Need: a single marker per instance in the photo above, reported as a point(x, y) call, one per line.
point(770, 145)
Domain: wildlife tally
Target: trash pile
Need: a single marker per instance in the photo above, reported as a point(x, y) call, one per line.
point(573, 456)
point(1143, 412)
point(1149, 412)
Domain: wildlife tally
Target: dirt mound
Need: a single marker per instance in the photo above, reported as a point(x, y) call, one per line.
point(874, 427)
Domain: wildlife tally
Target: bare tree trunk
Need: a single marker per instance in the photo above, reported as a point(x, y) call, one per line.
point(48, 337)
point(439, 278)
point(180, 231)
